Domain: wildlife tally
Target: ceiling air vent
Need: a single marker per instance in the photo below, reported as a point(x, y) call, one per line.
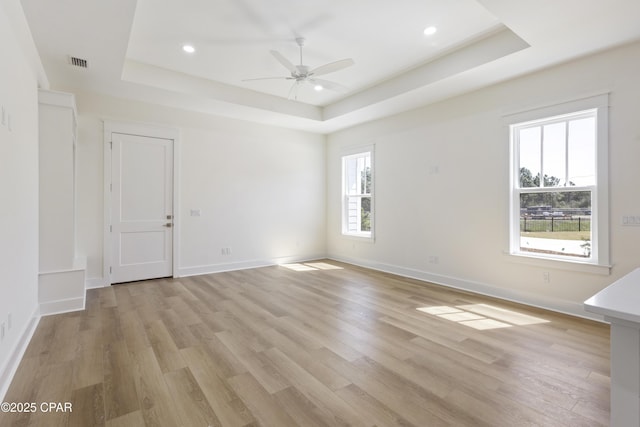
point(78, 62)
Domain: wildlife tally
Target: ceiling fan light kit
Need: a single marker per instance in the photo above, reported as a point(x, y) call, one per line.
point(304, 74)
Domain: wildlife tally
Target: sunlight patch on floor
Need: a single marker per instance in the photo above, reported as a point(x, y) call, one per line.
point(461, 317)
point(443, 309)
point(323, 266)
point(503, 314)
point(298, 267)
point(310, 266)
point(483, 324)
point(482, 316)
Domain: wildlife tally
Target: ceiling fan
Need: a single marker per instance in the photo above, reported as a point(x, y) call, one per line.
point(304, 74)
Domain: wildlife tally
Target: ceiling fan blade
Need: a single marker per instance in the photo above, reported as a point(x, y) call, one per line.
point(294, 86)
point(284, 61)
point(331, 67)
point(326, 84)
point(266, 78)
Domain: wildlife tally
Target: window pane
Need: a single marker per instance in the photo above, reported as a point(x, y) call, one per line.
point(350, 168)
point(365, 175)
point(358, 214)
point(361, 180)
point(530, 157)
point(358, 174)
point(365, 214)
point(582, 152)
point(556, 223)
point(353, 214)
point(554, 155)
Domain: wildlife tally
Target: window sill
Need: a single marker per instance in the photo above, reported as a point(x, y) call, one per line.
point(359, 237)
point(561, 264)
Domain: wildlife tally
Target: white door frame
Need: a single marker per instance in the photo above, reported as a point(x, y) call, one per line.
point(138, 129)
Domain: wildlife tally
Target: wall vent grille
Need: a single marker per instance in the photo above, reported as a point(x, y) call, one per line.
point(78, 62)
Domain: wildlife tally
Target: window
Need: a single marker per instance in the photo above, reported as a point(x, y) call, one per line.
point(559, 183)
point(357, 184)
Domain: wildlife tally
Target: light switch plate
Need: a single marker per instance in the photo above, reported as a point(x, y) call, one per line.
point(631, 220)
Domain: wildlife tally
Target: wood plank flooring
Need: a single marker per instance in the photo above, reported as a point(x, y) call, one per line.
point(314, 344)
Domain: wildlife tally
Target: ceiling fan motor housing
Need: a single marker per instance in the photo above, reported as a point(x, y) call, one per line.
point(302, 71)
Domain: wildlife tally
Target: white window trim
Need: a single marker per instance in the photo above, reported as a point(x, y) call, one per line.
point(600, 260)
point(346, 152)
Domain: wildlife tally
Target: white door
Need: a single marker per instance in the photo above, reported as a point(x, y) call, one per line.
point(141, 207)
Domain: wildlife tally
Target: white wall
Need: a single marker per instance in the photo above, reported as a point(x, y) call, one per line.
point(442, 185)
point(18, 196)
point(260, 189)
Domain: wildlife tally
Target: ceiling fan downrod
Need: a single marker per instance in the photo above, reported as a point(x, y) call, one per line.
point(300, 42)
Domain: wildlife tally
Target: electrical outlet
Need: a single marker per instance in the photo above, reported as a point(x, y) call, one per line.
point(225, 251)
point(546, 276)
point(433, 259)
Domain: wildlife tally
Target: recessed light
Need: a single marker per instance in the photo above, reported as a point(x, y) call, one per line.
point(188, 48)
point(318, 88)
point(429, 31)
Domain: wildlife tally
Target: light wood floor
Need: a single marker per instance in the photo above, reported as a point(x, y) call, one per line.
point(324, 346)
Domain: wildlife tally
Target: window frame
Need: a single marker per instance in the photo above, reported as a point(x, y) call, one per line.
point(346, 154)
point(599, 260)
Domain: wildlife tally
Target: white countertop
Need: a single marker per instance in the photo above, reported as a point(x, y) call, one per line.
point(619, 300)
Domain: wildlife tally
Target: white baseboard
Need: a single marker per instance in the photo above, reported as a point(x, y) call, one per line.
point(9, 369)
point(243, 265)
point(560, 306)
point(61, 306)
point(62, 291)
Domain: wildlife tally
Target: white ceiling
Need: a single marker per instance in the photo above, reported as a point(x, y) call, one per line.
point(134, 50)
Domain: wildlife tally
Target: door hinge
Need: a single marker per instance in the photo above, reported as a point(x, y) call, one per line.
point(111, 144)
point(111, 187)
point(111, 229)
